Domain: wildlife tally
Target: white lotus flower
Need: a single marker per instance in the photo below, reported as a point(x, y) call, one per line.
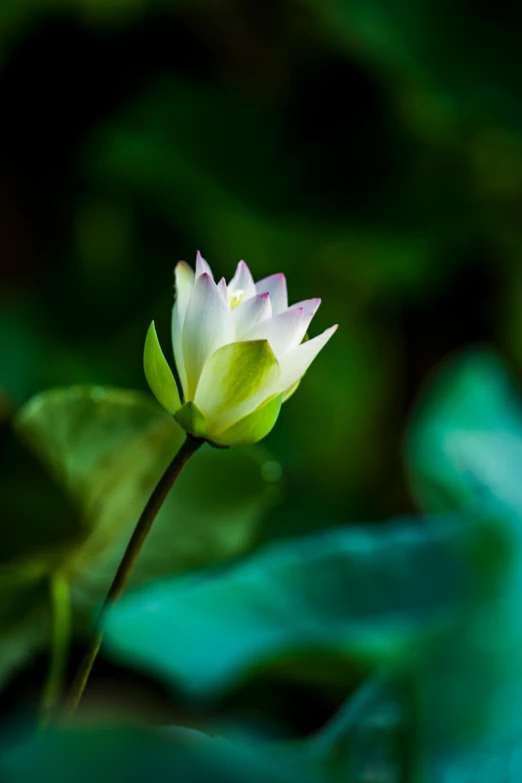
point(239, 353)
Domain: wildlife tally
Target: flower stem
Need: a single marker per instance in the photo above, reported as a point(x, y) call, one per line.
point(189, 447)
point(60, 637)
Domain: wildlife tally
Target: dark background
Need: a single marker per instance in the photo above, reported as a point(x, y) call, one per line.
point(370, 150)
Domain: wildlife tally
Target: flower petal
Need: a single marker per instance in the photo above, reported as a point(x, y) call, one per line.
point(202, 268)
point(252, 428)
point(158, 373)
point(275, 285)
point(235, 380)
point(185, 278)
point(284, 331)
point(248, 314)
point(223, 290)
point(310, 306)
point(207, 327)
point(243, 281)
point(297, 361)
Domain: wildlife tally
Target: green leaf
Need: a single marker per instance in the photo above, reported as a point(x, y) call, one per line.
point(465, 450)
point(346, 596)
point(39, 526)
point(368, 737)
point(254, 427)
point(192, 420)
point(38, 519)
point(464, 447)
point(158, 373)
point(480, 764)
point(124, 755)
point(108, 448)
point(24, 625)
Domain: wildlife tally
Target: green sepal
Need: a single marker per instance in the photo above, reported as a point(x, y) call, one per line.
point(192, 420)
point(252, 428)
point(158, 373)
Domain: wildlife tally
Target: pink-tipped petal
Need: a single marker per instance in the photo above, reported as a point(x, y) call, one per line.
point(207, 327)
point(202, 268)
point(310, 306)
point(282, 331)
point(223, 290)
point(297, 361)
point(275, 285)
point(243, 281)
point(250, 313)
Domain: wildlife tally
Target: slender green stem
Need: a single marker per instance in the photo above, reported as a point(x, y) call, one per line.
point(189, 447)
point(60, 638)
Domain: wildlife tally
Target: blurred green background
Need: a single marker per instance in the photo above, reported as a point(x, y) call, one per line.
point(370, 149)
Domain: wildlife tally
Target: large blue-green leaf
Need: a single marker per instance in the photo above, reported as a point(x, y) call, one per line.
point(123, 755)
point(39, 526)
point(376, 735)
point(38, 519)
point(348, 595)
point(464, 447)
point(108, 448)
point(369, 738)
point(481, 764)
point(465, 450)
point(73, 485)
